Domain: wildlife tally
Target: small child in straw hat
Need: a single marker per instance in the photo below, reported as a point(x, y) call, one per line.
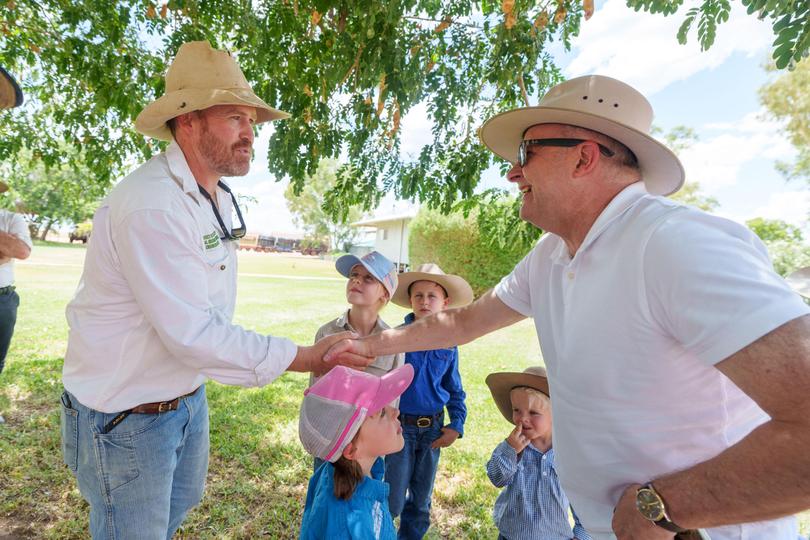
point(532, 505)
point(347, 421)
point(436, 387)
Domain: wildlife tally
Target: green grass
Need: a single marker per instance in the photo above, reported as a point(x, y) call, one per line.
point(258, 471)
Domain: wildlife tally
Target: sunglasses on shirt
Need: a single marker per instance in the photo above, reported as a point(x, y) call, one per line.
point(523, 157)
point(235, 233)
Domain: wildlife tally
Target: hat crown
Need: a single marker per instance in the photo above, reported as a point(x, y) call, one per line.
point(200, 66)
point(604, 97)
point(430, 268)
point(538, 371)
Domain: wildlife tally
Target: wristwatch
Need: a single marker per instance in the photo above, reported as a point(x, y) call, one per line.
point(652, 507)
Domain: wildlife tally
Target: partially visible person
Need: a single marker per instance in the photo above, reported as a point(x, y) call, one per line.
point(679, 361)
point(436, 385)
point(371, 284)
point(347, 422)
point(15, 239)
point(532, 505)
point(152, 318)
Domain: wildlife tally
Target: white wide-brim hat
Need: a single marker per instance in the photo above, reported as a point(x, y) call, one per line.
point(601, 104)
point(201, 77)
point(457, 288)
point(800, 281)
point(10, 94)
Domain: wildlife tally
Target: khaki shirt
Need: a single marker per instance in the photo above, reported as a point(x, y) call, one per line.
point(381, 365)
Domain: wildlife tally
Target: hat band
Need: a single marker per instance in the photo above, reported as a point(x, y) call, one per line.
point(343, 434)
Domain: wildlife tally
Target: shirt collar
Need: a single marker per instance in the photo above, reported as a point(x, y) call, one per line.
point(548, 453)
point(343, 322)
point(623, 201)
point(409, 318)
point(178, 166)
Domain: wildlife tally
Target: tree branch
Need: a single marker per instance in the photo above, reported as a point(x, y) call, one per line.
point(523, 89)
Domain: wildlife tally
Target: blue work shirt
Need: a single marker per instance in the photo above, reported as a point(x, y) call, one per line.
point(364, 516)
point(436, 385)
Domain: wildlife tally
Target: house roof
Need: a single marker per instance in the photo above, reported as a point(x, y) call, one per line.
point(376, 222)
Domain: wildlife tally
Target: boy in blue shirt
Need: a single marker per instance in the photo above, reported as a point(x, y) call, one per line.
point(436, 386)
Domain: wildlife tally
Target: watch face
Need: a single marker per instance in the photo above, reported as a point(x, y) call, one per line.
point(650, 504)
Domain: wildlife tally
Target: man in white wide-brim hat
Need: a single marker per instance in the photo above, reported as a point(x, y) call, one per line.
point(15, 238)
point(678, 360)
point(151, 319)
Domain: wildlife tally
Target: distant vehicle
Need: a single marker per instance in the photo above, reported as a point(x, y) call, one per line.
point(81, 232)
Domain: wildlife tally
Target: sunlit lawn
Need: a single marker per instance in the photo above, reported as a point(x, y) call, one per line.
point(258, 470)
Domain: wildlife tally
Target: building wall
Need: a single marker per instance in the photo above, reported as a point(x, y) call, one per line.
point(390, 236)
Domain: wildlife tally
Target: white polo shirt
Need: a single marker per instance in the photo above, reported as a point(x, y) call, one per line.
point(151, 318)
point(15, 225)
point(630, 331)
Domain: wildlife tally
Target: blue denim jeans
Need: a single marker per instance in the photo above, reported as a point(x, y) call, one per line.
point(142, 477)
point(9, 303)
point(410, 473)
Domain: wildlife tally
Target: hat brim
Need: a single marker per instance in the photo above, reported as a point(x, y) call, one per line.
point(661, 170)
point(152, 119)
point(392, 385)
point(501, 384)
point(799, 281)
point(458, 290)
point(10, 93)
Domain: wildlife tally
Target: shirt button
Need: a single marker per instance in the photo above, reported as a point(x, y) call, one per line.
point(544, 457)
point(545, 474)
point(570, 275)
point(222, 267)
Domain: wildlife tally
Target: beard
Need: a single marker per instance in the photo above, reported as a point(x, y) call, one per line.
point(224, 159)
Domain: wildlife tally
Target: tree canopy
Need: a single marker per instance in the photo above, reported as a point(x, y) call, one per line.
point(347, 71)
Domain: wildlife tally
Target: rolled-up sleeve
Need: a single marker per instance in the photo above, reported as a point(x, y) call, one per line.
point(162, 263)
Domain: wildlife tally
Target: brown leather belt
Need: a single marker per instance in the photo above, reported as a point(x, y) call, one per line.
point(422, 421)
point(147, 408)
point(160, 406)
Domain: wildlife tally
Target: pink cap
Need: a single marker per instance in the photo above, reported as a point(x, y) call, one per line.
point(337, 404)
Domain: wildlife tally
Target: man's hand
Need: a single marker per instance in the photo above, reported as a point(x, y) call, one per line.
point(629, 524)
point(448, 437)
point(517, 439)
point(347, 350)
point(311, 358)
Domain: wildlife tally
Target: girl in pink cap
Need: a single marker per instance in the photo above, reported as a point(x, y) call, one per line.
point(347, 421)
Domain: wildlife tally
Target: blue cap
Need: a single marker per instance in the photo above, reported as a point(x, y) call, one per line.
point(377, 265)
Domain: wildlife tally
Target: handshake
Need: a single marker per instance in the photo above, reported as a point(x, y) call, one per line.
point(343, 349)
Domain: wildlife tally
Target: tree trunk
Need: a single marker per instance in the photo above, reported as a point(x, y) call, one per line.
point(47, 228)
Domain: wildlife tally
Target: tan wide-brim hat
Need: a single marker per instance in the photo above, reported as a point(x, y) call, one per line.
point(457, 288)
point(800, 281)
point(600, 104)
point(201, 77)
point(501, 384)
point(10, 94)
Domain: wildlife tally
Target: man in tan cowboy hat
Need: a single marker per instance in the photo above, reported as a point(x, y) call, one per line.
point(15, 239)
point(678, 360)
point(151, 319)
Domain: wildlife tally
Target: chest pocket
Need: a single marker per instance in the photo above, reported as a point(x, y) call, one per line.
point(438, 362)
point(384, 364)
point(215, 252)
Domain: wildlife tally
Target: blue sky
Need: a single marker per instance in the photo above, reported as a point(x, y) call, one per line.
point(713, 92)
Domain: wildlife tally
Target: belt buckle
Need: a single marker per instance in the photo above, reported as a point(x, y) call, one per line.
point(424, 421)
point(166, 404)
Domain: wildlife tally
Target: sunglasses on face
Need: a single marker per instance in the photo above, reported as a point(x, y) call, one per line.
point(523, 155)
point(235, 233)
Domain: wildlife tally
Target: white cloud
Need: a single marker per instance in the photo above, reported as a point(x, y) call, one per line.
point(642, 49)
point(790, 206)
point(724, 149)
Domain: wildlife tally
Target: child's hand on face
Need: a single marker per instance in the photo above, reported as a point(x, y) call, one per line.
point(517, 439)
point(448, 437)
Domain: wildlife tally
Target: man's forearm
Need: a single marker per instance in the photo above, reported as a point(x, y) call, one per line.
point(764, 476)
point(13, 247)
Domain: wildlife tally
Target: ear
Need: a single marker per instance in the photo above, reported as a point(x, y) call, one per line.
point(350, 451)
point(446, 302)
point(589, 157)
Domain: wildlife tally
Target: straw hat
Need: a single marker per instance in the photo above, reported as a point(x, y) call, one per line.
point(10, 94)
point(201, 77)
point(800, 281)
point(601, 104)
point(458, 290)
point(500, 384)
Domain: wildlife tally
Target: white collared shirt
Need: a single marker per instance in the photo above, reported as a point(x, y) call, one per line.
point(151, 318)
point(631, 328)
point(15, 225)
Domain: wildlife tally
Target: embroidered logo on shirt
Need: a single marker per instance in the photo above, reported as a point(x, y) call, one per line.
point(211, 240)
point(377, 515)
